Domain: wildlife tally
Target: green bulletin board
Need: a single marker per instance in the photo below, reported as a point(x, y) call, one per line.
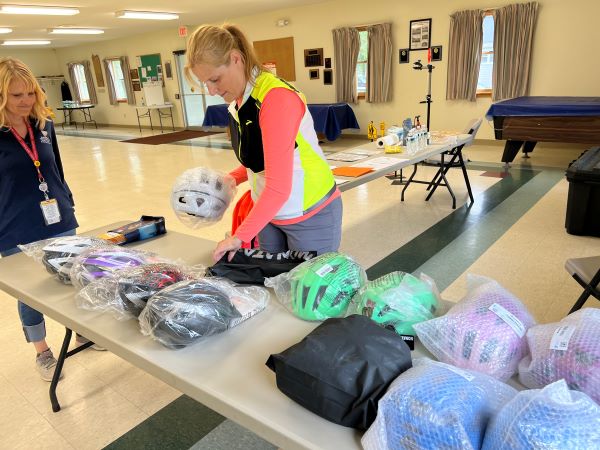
point(150, 68)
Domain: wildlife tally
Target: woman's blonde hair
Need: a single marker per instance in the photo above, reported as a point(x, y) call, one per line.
point(13, 69)
point(212, 44)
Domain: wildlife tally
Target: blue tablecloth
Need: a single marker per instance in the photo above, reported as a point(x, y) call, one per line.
point(546, 106)
point(329, 118)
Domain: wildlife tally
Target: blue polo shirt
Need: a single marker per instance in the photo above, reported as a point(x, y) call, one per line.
point(21, 218)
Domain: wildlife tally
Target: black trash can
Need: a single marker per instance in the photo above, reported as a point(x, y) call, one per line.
point(583, 205)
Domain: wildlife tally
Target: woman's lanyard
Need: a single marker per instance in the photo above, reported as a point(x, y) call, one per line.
point(33, 154)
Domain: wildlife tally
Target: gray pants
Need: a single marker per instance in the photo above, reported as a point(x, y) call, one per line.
point(320, 233)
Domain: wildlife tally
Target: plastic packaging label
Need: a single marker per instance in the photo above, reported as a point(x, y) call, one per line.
point(509, 318)
point(561, 337)
point(324, 270)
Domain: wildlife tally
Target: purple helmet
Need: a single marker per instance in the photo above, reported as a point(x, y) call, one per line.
point(484, 332)
point(576, 359)
point(98, 263)
point(60, 253)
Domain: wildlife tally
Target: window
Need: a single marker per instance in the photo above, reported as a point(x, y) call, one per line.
point(118, 80)
point(80, 81)
point(484, 83)
point(361, 65)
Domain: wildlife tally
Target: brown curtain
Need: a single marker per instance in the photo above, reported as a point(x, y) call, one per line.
point(464, 54)
point(89, 81)
point(379, 70)
point(513, 36)
point(346, 45)
point(71, 68)
point(110, 82)
point(127, 78)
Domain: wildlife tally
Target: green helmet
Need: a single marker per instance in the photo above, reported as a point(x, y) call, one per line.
point(323, 286)
point(397, 301)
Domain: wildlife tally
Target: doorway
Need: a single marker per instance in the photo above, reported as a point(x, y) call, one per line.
point(194, 100)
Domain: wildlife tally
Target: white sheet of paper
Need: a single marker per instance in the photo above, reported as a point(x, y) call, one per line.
point(347, 157)
point(340, 181)
point(362, 151)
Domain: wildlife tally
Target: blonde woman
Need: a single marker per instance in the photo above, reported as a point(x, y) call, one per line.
point(35, 200)
point(297, 205)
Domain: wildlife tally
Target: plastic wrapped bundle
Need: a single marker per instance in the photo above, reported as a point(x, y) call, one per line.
point(57, 254)
point(552, 418)
point(436, 406)
point(569, 350)
point(485, 331)
point(319, 288)
point(101, 262)
point(200, 196)
point(185, 312)
point(397, 301)
point(126, 293)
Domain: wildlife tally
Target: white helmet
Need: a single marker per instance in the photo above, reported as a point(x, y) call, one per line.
point(201, 195)
point(60, 253)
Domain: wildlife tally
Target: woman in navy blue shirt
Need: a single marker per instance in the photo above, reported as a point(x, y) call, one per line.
point(35, 200)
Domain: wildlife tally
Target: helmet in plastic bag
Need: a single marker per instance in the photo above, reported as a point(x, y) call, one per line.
point(139, 284)
point(101, 262)
point(201, 195)
point(323, 286)
point(187, 311)
point(59, 254)
point(397, 301)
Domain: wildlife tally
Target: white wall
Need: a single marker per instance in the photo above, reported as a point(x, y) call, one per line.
point(563, 55)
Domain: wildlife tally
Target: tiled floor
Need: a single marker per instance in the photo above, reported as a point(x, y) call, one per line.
point(514, 233)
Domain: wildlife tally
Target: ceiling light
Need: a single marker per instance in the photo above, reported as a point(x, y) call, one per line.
point(38, 10)
point(146, 15)
point(5, 30)
point(75, 31)
point(36, 42)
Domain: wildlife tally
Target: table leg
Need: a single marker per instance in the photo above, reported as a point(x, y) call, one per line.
point(172, 123)
point(138, 118)
point(410, 179)
point(528, 148)
point(442, 177)
point(150, 117)
point(511, 148)
point(64, 354)
point(160, 120)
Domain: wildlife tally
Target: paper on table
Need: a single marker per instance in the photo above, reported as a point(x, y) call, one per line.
point(362, 151)
point(344, 156)
point(380, 163)
point(340, 181)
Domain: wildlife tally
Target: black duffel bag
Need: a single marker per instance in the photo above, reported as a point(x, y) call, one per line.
point(341, 369)
point(252, 266)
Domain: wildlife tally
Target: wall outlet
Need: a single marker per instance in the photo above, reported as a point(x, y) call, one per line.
point(177, 96)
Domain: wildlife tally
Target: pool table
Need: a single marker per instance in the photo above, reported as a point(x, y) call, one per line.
point(525, 121)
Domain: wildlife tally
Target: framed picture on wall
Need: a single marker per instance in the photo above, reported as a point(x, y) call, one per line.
point(420, 34)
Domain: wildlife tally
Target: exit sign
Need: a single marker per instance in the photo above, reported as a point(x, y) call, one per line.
point(182, 31)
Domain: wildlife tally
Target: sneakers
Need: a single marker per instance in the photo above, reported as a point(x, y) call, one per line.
point(80, 340)
point(46, 363)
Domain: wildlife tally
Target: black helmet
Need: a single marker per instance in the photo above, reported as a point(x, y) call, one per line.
point(187, 311)
point(140, 283)
point(60, 252)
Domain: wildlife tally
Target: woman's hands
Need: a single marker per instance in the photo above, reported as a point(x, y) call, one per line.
point(230, 244)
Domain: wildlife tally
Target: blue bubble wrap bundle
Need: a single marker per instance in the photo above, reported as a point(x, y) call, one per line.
point(485, 331)
point(552, 418)
point(569, 350)
point(436, 406)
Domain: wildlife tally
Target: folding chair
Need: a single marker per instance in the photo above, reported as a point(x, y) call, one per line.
point(586, 272)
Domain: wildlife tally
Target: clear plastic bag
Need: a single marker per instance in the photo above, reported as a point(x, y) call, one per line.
point(569, 350)
point(485, 331)
point(397, 301)
point(436, 406)
point(100, 262)
point(126, 293)
point(552, 418)
point(319, 288)
point(57, 254)
point(185, 312)
point(200, 196)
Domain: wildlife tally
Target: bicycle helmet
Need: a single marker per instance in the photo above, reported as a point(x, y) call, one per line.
point(137, 285)
point(59, 254)
point(396, 301)
point(483, 332)
point(201, 195)
point(102, 262)
point(577, 362)
point(550, 418)
point(184, 312)
point(323, 286)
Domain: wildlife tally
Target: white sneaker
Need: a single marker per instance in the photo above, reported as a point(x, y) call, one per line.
point(46, 363)
point(80, 340)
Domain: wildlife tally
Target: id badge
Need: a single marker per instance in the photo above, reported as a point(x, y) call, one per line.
point(50, 211)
